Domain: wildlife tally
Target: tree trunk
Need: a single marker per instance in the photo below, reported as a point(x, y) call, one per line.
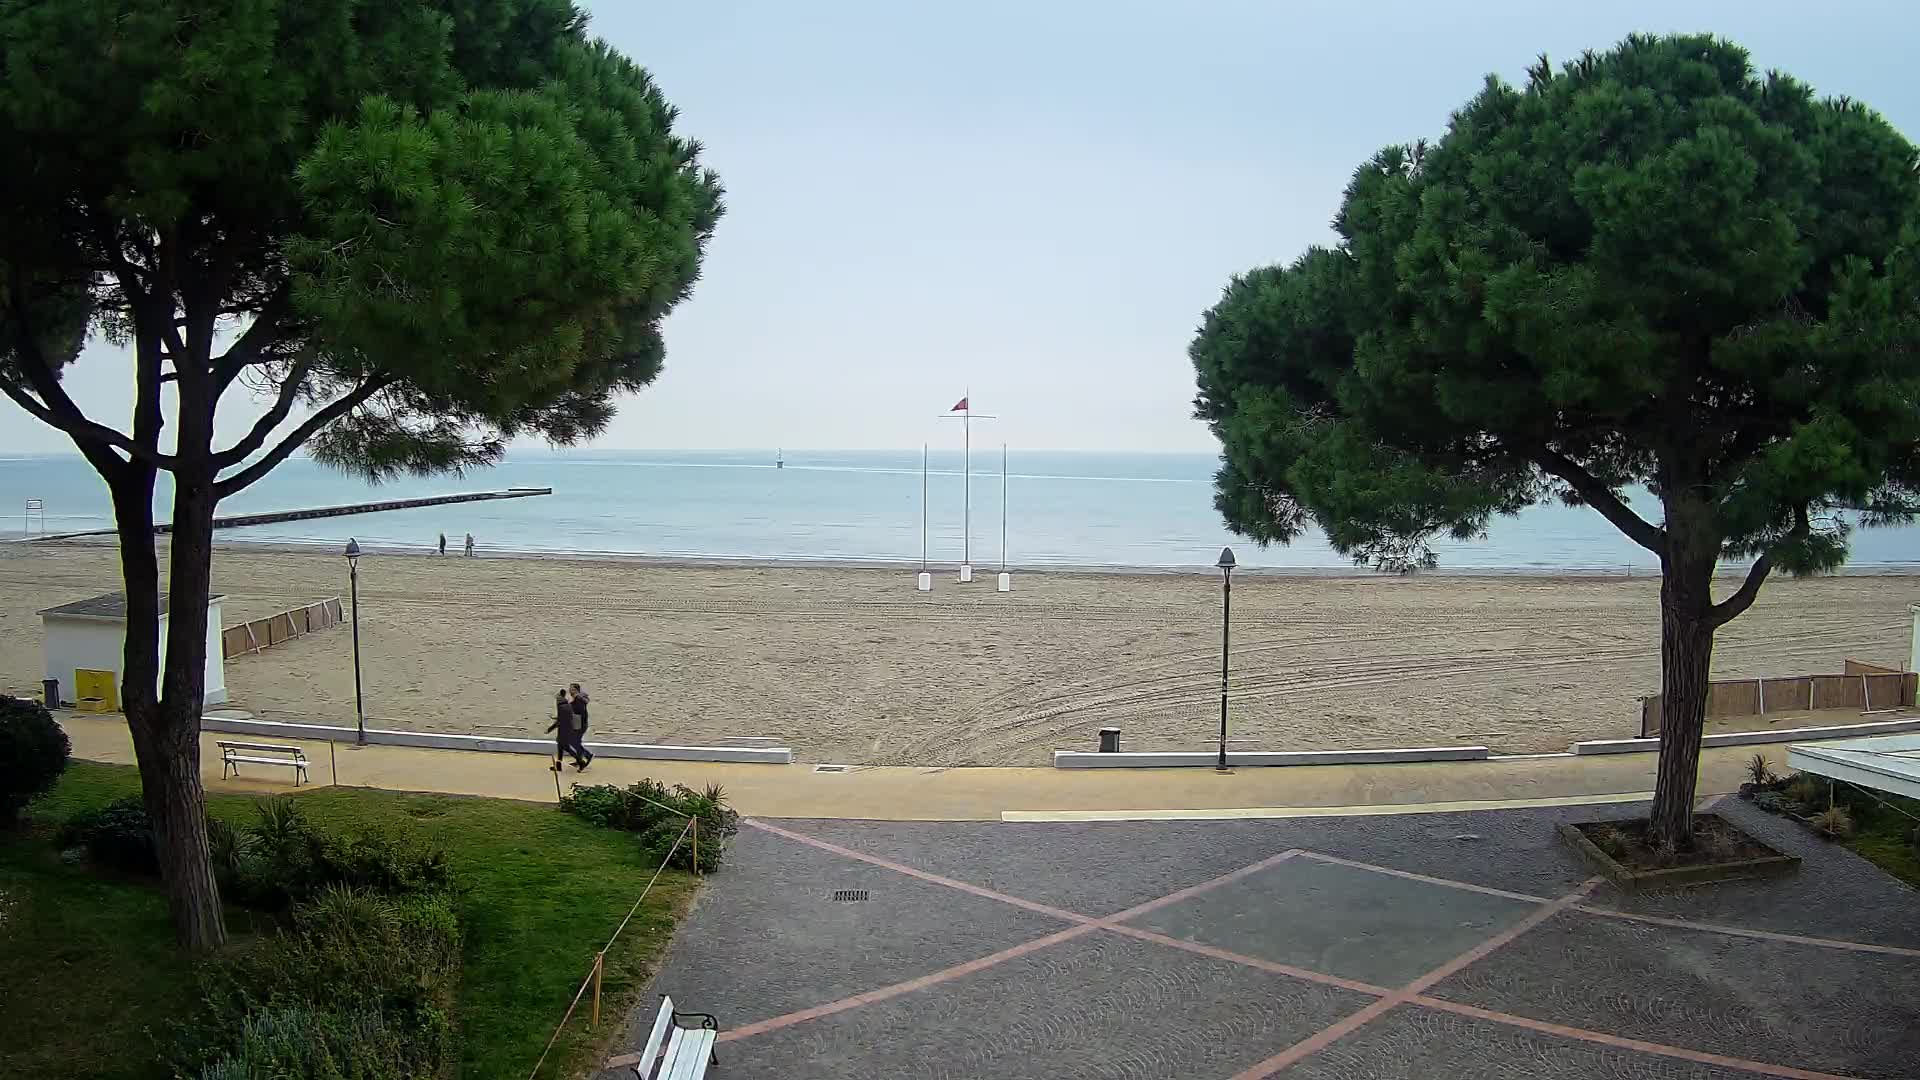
point(1686, 663)
point(170, 764)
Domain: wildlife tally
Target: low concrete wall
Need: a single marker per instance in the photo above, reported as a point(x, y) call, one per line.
point(1744, 738)
point(1077, 759)
point(771, 755)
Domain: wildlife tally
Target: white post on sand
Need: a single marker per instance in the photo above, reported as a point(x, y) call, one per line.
point(965, 409)
point(1006, 579)
point(923, 583)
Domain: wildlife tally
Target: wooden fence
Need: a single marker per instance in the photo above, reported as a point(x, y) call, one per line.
point(251, 637)
point(1866, 687)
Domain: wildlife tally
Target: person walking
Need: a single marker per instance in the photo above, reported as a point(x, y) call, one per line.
point(566, 731)
point(469, 545)
point(443, 543)
point(579, 705)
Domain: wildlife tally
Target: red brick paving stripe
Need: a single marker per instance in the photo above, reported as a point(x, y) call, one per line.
point(1602, 1038)
point(902, 868)
point(1450, 883)
point(1741, 931)
point(1341, 1028)
point(872, 997)
point(1303, 974)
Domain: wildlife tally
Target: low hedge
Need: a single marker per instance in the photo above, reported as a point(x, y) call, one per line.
point(658, 814)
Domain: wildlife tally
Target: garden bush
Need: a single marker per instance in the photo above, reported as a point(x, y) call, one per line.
point(1834, 822)
point(33, 754)
point(116, 835)
point(360, 986)
point(281, 860)
point(658, 814)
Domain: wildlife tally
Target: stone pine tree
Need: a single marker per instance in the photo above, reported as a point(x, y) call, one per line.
point(1652, 269)
point(411, 230)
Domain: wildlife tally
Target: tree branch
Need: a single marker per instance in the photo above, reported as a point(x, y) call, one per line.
point(1742, 599)
point(266, 328)
point(282, 406)
point(1601, 498)
point(313, 424)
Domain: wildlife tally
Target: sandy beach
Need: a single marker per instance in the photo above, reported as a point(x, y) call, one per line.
point(853, 666)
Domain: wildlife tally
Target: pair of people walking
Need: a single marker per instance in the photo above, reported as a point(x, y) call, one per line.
point(570, 727)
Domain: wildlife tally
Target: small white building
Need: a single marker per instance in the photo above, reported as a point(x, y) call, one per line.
point(91, 635)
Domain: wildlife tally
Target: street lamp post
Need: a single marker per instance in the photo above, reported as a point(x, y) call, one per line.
point(353, 578)
point(1226, 616)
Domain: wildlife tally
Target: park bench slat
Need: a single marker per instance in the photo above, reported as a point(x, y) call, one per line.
point(651, 1050)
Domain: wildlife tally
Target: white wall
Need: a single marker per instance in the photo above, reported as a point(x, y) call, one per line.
point(72, 642)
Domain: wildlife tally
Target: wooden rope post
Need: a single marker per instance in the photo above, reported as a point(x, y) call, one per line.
point(599, 965)
point(696, 848)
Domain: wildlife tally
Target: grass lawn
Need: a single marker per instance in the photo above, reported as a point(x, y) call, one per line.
point(88, 970)
point(1885, 838)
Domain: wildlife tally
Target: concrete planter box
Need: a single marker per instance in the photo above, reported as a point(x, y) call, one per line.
point(1775, 864)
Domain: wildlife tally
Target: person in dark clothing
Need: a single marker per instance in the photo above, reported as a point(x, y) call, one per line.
point(580, 713)
point(566, 729)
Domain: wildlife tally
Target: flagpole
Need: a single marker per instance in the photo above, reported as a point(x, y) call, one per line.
point(923, 507)
point(966, 483)
point(1003, 508)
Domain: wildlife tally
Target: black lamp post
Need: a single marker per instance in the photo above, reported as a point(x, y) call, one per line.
point(1226, 615)
point(353, 577)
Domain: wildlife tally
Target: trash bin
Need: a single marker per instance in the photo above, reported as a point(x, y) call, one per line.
point(50, 692)
point(1109, 740)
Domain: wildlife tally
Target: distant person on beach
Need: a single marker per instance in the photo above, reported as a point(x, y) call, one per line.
point(579, 704)
point(469, 545)
point(566, 732)
point(443, 543)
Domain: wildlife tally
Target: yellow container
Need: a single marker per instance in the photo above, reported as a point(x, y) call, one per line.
point(95, 691)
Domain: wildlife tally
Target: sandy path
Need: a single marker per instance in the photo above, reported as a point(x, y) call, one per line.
point(854, 666)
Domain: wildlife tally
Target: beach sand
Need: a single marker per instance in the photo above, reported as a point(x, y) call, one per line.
point(854, 666)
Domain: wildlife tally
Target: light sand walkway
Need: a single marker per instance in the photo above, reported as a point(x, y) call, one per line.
point(961, 794)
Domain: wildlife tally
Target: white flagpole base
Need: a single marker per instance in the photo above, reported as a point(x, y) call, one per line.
point(966, 571)
point(925, 582)
point(1006, 583)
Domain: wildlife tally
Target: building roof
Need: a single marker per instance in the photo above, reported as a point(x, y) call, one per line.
point(1887, 762)
point(111, 605)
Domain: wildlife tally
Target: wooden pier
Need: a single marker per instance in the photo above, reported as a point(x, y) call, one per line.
point(234, 521)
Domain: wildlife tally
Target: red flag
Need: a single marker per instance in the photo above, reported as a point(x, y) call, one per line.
point(962, 407)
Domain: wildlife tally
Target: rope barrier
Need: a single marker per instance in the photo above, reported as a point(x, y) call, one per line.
point(599, 959)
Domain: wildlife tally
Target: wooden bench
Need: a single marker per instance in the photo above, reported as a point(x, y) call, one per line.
point(688, 1052)
point(234, 754)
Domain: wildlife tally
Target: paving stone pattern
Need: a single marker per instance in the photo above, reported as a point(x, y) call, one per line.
point(766, 941)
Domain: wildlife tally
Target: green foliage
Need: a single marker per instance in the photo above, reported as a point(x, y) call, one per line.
point(659, 814)
point(283, 860)
point(1834, 822)
point(1808, 791)
point(1759, 770)
point(33, 754)
point(361, 986)
point(117, 835)
point(1652, 267)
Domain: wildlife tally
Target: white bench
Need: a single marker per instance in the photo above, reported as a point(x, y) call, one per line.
point(688, 1052)
point(234, 754)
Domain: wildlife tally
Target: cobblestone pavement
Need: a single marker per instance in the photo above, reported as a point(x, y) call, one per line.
point(1445, 945)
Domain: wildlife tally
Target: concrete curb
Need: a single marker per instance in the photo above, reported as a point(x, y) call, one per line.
point(1744, 738)
point(771, 755)
point(1077, 759)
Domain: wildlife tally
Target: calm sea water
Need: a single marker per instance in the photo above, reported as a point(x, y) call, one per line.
point(1063, 509)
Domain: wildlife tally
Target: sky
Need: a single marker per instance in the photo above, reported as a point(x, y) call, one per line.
point(1034, 203)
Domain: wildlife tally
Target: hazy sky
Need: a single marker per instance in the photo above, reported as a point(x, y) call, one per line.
point(1036, 201)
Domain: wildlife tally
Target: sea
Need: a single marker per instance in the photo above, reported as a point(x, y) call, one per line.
point(1088, 510)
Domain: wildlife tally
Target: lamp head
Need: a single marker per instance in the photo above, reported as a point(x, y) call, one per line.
point(353, 550)
point(1225, 562)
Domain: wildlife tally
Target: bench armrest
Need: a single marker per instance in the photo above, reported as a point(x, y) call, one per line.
point(708, 1020)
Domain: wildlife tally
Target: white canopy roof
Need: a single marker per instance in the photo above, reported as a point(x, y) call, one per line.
point(1883, 762)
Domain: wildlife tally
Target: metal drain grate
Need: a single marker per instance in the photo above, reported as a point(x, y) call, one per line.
point(848, 896)
point(829, 768)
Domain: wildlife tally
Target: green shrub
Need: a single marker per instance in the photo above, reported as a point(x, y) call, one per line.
point(1834, 822)
point(1759, 770)
point(117, 835)
point(1807, 791)
point(658, 814)
point(360, 985)
point(33, 754)
point(282, 860)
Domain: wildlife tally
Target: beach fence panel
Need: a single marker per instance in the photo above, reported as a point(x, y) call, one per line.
point(280, 627)
point(1866, 687)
